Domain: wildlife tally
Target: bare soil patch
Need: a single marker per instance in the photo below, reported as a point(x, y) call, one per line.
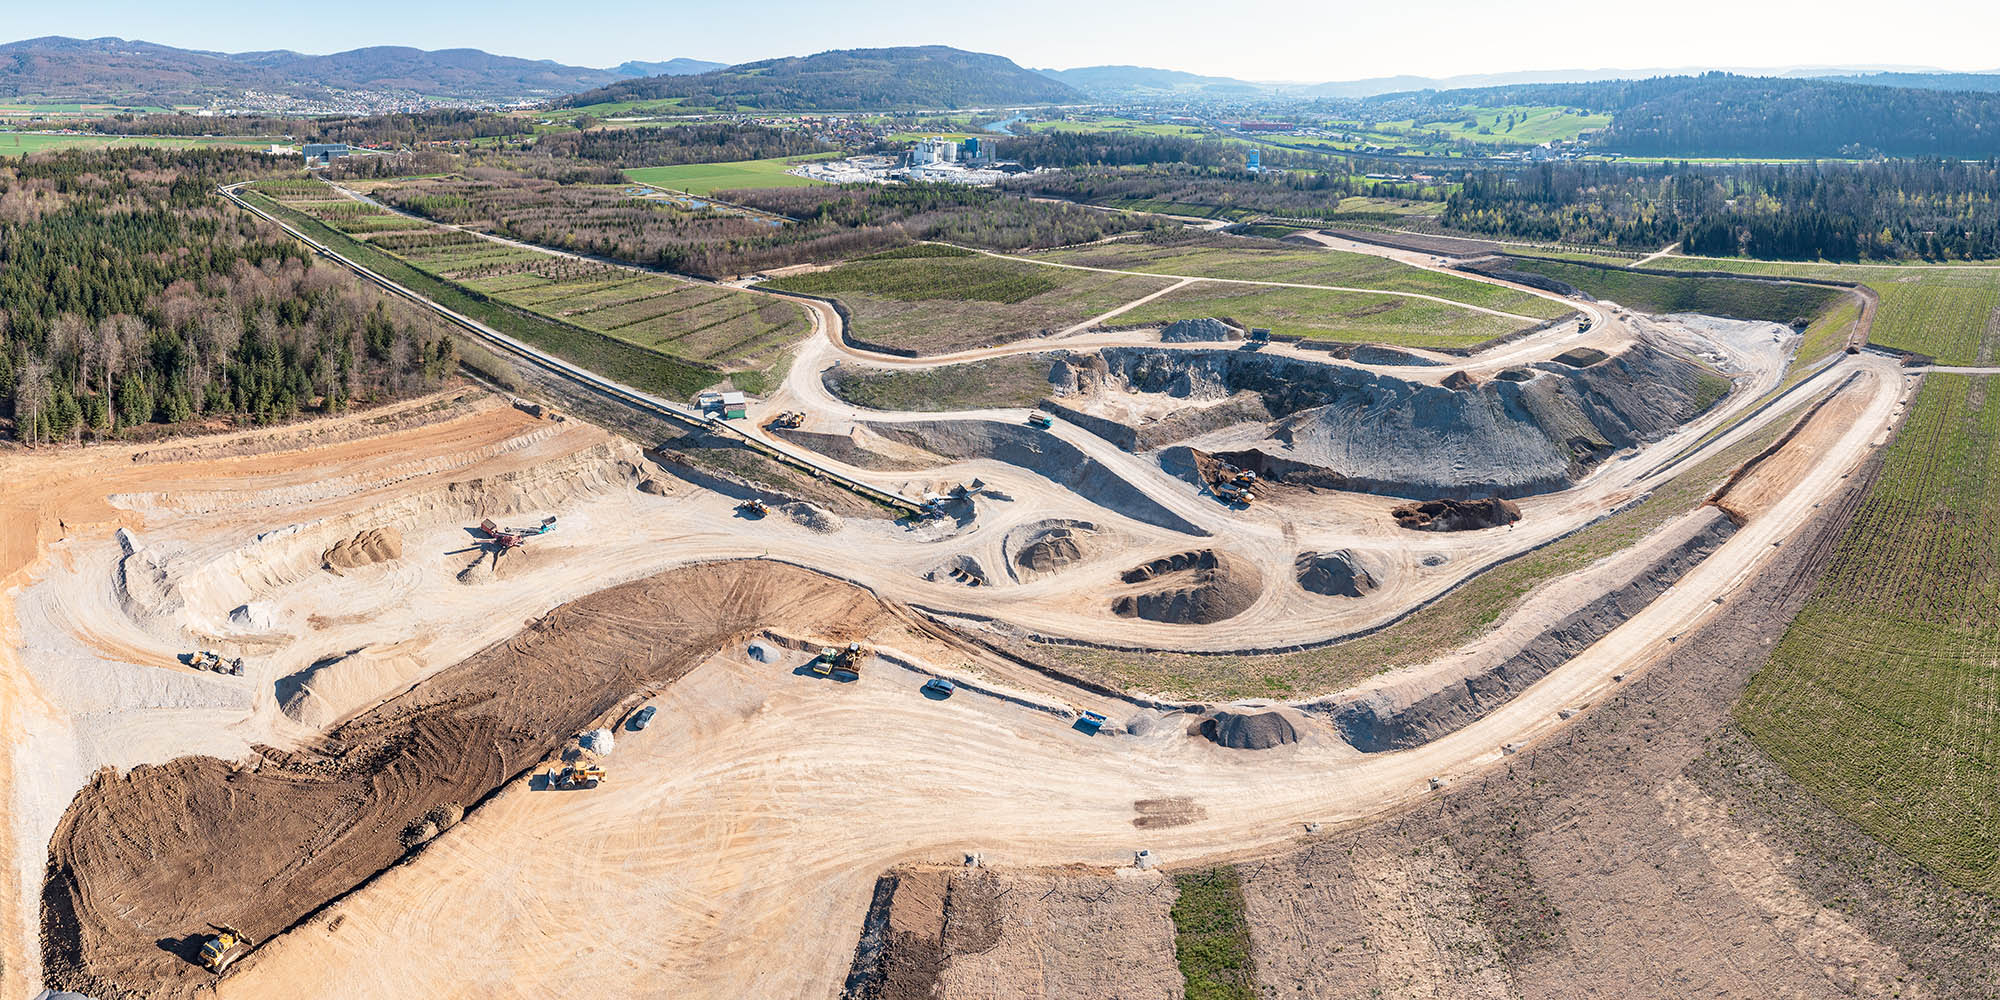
point(1456, 515)
point(143, 863)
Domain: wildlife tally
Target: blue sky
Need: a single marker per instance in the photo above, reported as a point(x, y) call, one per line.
point(1298, 40)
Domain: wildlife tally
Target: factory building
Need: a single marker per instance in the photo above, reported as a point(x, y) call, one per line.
point(322, 154)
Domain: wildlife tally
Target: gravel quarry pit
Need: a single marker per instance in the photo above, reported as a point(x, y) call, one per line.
point(1538, 431)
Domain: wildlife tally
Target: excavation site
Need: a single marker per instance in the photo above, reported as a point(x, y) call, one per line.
point(906, 676)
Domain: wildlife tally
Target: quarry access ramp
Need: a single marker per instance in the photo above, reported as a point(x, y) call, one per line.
point(617, 391)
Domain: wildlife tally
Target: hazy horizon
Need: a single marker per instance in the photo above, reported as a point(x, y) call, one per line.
point(1332, 42)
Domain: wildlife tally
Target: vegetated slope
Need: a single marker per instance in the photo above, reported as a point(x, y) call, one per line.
point(1145, 81)
point(926, 76)
point(1882, 697)
point(1719, 114)
point(115, 69)
point(677, 66)
point(1735, 298)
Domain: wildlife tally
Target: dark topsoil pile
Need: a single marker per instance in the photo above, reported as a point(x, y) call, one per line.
point(1248, 730)
point(142, 864)
point(1340, 573)
point(1456, 515)
point(1197, 588)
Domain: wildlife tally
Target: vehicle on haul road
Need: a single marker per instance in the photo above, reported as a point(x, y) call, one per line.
point(1040, 420)
point(754, 507)
point(940, 686)
point(577, 775)
point(222, 949)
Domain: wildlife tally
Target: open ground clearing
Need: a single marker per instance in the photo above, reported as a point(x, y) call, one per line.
point(951, 300)
point(708, 178)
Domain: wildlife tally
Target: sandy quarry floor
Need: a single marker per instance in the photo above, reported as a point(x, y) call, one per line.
point(766, 807)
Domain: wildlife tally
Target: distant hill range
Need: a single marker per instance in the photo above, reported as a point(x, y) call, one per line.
point(927, 77)
point(113, 70)
point(1721, 114)
point(1139, 83)
point(672, 67)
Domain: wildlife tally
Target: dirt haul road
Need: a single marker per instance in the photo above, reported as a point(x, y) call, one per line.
point(762, 812)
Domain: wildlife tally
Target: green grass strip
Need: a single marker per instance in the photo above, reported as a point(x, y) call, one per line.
point(1212, 935)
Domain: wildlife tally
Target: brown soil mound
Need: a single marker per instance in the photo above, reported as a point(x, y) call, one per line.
point(1051, 553)
point(654, 487)
point(1341, 573)
point(1457, 515)
point(142, 863)
point(376, 545)
point(1202, 588)
point(1248, 730)
point(1459, 382)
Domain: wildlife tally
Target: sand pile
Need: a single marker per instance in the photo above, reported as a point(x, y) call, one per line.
point(252, 618)
point(1048, 546)
point(1249, 730)
point(959, 569)
point(1340, 573)
point(1456, 515)
point(1190, 588)
point(338, 685)
point(810, 517)
point(1187, 331)
point(376, 545)
point(654, 487)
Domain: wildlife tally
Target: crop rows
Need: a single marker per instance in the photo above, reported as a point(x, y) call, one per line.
point(1884, 695)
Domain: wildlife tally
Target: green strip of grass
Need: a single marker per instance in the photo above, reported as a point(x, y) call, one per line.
point(1731, 297)
point(614, 359)
point(1212, 935)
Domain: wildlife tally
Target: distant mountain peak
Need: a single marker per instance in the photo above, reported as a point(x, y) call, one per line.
point(916, 77)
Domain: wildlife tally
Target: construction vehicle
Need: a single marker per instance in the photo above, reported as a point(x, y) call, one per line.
point(210, 660)
point(1040, 420)
point(576, 774)
point(848, 661)
point(1091, 722)
point(511, 538)
point(1230, 493)
point(787, 420)
point(823, 663)
point(754, 507)
point(224, 948)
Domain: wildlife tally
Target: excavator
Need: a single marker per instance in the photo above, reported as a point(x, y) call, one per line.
point(754, 507)
point(788, 419)
point(222, 950)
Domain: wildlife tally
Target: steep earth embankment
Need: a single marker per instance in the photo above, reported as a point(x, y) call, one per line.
point(1409, 715)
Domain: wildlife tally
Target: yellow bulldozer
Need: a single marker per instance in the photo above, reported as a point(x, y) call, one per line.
point(224, 948)
point(576, 774)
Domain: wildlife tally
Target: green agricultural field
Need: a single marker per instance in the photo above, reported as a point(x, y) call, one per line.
point(1306, 266)
point(1212, 935)
point(1316, 314)
point(1019, 380)
point(725, 328)
point(934, 300)
point(708, 178)
point(1883, 697)
point(1121, 126)
point(22, 143)
point(1754, 300)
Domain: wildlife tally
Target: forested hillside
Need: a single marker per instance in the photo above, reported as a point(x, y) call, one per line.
point(1937, 209)
point(133, 296)
point(1718, 114)
point(716, 142)
point(929, 76)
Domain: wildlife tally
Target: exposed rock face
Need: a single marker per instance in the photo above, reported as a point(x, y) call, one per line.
point(1382, 434)
point(1191, 330)
point(1457, 515)
point(1341, 573)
